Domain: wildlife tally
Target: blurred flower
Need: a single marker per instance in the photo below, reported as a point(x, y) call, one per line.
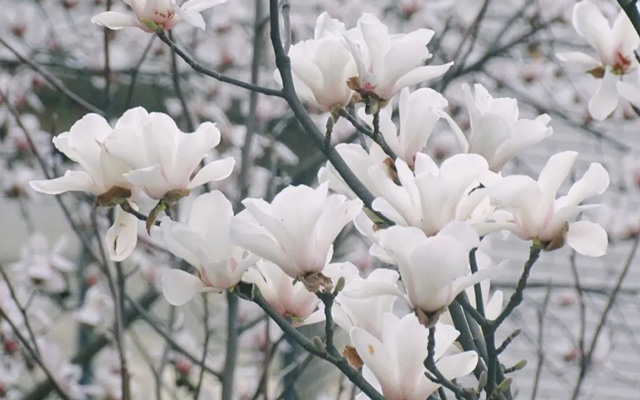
point(163, 13)
point(537, 214)
point(205, 243)
point(614, 45)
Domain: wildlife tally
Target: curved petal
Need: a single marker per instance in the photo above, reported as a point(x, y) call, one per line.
point(122, 237)
point(587, 238)
point(605, 99)
point(179, 287)
point(115, 20)
point(71, 181)
point(458, 365)
point(213, 171)
point(422, 74)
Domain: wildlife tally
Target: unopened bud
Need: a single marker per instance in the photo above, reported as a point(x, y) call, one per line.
point(519, 365)
point(318, 343)
point(339, 285)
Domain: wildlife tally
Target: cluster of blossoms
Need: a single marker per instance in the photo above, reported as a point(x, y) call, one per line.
point(426, 219)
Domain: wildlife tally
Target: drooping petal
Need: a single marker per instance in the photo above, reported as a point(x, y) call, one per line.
point(605, 100)
point(179, 287)
point(587, 238)
point(122, 237)
point(71, 181)
point(115, 20)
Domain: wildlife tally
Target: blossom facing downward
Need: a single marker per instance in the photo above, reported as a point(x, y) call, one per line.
point(322, 66)
point(204, 242)
point(535, 213)
point(394, 365)
point(164, 14)
point(387, 63)
point(497, 132)
point(296, 231)
point(614, 45)
point(161, 158)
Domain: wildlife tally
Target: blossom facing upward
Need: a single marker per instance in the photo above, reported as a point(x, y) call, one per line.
point(296, 231)
point(162, 158)
point(204, 242)
point(322, 66)
point(387, 63)
point(394, 363)
point(162, 13)
point(497, 132)
point(614, 46)
point(537, 214)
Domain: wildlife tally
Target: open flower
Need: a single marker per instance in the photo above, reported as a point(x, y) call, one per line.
point(321, 67)
point(205, 243)
point(102, 175)
point(537, 214)
point(614, 45)
point(162, 13)
point(434, 269)
point(394, 362)
point(296, 231)
point(497, 132)
point(162, 159)
point(387, 63)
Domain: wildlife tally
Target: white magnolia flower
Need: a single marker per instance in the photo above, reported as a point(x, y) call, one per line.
point(101, 172)
point(434, 270)
point(366, 313)
point(537, 214)
point(163, 13)
point(205, 243)
point(288, 297)
point(296, 231)
point(614, 44)
point(387, 63)
point(430, 197)
point(162, 158)
point(419, 112)
point(393, 363)
point(321, 67)
point(497, 132)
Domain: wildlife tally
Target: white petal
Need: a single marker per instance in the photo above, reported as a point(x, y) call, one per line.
point(579, 58)
point(458, 365)
point(71, 181)
point(587, 238)
point(122, 237)
point(179, 287)
point(422, 74)
point(630, 92)
point(115, 20)
point(605, 99)
point(213, 171)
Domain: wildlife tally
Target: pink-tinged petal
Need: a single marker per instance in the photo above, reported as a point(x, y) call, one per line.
point(458, 365)
point(605, 100)
point(587, 238)
point(122, 237)
point(213, 171)
point(77, 181)
point(179, 287)
point(115, 20)
point(422, 74)
point(579, 58)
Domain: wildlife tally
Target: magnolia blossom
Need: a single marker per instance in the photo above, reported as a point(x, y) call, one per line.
point(163, 13)
point(204, 242)
point(162, 158)
point(434, 270)
point(366, 313)
point(321, 67)
point(614, 44)
point(419, 112)
point(537, 214)
point(394, 363)
point(387, 63)
point(497, 133)
point(430, 197)
point(296, 231)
